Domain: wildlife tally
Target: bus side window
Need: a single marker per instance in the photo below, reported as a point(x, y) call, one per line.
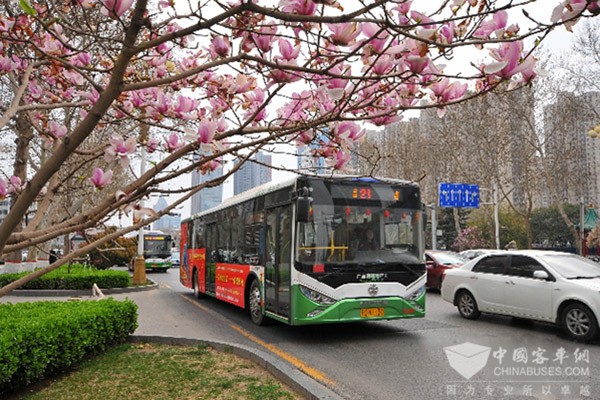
point(211, 245)
point(197, 240)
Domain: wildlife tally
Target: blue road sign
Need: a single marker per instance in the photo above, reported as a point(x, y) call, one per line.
point(459, 195)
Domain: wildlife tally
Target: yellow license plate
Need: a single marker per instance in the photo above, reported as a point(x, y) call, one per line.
point(372, 312)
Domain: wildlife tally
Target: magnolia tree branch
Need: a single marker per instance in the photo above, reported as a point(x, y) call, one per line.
point(231, 81)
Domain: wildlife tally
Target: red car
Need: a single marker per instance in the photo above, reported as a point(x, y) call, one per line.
point(437, 262)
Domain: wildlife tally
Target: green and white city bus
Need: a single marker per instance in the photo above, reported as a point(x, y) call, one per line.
point(292, 251)
point(157, 251)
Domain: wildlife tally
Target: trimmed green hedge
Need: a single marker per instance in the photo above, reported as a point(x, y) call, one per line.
point(42, 338)
point(79, 277)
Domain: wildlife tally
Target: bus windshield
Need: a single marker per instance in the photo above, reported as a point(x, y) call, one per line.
point(360, 231)
point(157, 246)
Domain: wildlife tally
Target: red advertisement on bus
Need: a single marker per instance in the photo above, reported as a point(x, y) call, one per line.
point(230, 282)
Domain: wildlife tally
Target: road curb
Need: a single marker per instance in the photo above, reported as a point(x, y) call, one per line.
point(294, 378)
point(80, 293)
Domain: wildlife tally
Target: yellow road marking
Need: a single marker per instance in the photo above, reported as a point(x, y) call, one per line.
point(310, 371)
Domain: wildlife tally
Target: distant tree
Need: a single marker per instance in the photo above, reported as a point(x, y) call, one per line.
point(469, 238)
point(549, 228)
point(119, 251)
point(451, 221)
point(512, 227)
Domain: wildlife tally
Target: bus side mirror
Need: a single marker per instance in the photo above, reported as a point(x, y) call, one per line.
point(302, 209)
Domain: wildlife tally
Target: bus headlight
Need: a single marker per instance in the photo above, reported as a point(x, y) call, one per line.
point(316, 296)
point(416, 294)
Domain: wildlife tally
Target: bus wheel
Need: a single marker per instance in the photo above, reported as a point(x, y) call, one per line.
point(254, 303)
point(195, 284)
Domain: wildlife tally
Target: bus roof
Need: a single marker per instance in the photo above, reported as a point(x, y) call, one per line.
point(146, 232)
point(274, 186)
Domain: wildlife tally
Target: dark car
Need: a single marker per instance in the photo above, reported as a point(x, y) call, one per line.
point(437, 262)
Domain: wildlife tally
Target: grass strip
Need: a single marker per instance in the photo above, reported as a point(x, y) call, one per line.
point(154, 371)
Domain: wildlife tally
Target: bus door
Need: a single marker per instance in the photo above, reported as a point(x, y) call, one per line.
point(212, 256)
point(278, 260)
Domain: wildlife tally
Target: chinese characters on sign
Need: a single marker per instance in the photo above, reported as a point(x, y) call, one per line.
point(530, 372)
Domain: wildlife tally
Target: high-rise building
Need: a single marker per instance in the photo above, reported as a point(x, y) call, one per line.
point(208, 197)
point(483, 141)
point(308, 163)
point(253, 173)
point(574, 155)
point(4, 208)
point(166, 223)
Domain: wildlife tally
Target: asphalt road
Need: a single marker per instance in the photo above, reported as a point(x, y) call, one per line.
point(402, 359)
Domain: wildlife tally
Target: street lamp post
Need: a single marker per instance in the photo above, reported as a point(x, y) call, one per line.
point(139, 267)
point(433, 227)
point(496, 214)
point(581, 225)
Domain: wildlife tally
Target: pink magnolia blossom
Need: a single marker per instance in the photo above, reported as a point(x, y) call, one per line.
point(222, 125)
point(185, 107)
point(6, 23)
point(120, 149)
point(282, 75)
point(335, 84)
point(209, 166)
point(376, 39)
point(173, 143)
point(509, 62)
point(82, 59)
point(305, 138)
point(91, 96)
point(383, 65)
point(404, 7)
point(344, 34)
point(348, 130)
point(3, 189)
point(265, 38)
point(57, 130)
point(100, 178)
point(567, 11)
point(220, 46)
point(74, 77)
point(496, 24)
point(35, 89)
point(287, 51)
point(422, 19)
point(14, 185)
point(338, 160)
point(593, 7)
point(116, 8)
point(447, 33)
point(302, 7)
point(444, 91)
point(206, 131)
point(152, 145)
point(241, 84)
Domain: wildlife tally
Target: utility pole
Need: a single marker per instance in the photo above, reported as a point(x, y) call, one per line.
point(433, 227)
point(496, 218)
